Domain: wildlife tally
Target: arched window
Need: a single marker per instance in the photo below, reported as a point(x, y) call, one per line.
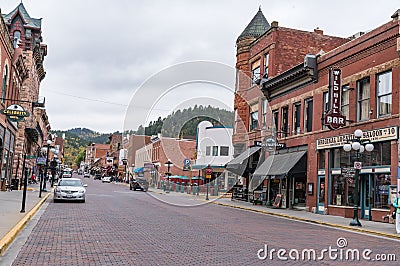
point(4, 89)
point(17, 37)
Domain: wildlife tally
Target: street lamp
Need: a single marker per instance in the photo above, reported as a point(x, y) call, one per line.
point(359, 146)
point(46, 149)
point(168, 173)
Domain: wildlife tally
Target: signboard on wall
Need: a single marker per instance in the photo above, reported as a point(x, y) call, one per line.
point(375, 135)
point(334, 118)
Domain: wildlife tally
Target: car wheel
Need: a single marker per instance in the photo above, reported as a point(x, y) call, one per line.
point(130, 187)
point(55, 200)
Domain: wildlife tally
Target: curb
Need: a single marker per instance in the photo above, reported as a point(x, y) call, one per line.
point(10, 236)
point(366, 231)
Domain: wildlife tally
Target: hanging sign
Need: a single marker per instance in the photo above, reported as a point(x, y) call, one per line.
point(15, 113)
point(334, 118)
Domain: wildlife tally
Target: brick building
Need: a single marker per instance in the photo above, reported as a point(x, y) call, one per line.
point(265, 50)
point(25, 33)
point(154, 155)
point(313, 170)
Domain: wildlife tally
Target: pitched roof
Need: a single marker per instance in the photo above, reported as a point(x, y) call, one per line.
point(257, 26)
point(30, 22)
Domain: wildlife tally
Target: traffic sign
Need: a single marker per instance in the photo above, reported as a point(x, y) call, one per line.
point(208, 176)
point(186, 162)
point(209, 170)
point(357, 165)
point(30, 157)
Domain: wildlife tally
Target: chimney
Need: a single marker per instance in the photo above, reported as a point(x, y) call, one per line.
point(318, 31)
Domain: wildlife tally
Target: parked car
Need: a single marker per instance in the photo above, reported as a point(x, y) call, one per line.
point(86, 174)
point(97, 176)
point(106, 179)
point(70, 189)
point(139, 183)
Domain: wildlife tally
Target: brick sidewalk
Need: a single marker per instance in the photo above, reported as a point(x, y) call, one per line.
point(11, 218)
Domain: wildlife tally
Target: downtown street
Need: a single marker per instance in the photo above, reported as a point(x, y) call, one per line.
point(117, 226)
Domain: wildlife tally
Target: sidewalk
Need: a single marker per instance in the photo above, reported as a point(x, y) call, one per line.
point(11, 219)
point(368, 227)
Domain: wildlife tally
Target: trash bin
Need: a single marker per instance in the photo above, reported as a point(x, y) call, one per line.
point(14, 184)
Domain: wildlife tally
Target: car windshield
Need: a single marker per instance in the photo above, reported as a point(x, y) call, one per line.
point(67, 172)
point(71, 183)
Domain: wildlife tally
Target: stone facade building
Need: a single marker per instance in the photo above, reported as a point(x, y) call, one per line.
point(25, 32)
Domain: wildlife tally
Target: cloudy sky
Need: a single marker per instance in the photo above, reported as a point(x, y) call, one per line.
point(101, 52)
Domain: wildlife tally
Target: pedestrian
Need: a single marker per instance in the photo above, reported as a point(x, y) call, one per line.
point(396, 205)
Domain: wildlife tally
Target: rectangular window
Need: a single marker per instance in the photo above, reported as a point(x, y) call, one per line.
point(381, 187)
point(224, 151)
point(326, 106)
point(266, 61)
point(236, 121)
point(296, 118)
point(264, 112)
point(215, 151)
point(308, 111)
point(255, 72)
point(363, 95)
point(384, 91)
point(208, 150)
point(345, 101)
point(284, 121)
point(321, 159)
point(253, 120)
point(275, 115)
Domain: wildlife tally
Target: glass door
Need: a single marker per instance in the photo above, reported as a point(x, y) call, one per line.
point(365, 196)
point(321, 195)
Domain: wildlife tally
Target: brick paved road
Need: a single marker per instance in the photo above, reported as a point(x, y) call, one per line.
point(117, 226)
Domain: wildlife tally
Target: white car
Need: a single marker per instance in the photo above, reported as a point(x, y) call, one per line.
point(70, 189)
point(106, 179)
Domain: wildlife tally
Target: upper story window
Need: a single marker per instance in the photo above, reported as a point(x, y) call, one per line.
point(253, 120)
point(326, 106)
point(208, 150)
point(215, 151)
point(275, 115)
point(296, 118)
point(224, 151)
point(17, 37)
point(266, 61)
point(308, 112)
point(285, 121)
point(363, 96)
point(264, 111)
point(345, 102)
point(384, 92)
point(255, 72)
point(4, 89)
point(236, 121)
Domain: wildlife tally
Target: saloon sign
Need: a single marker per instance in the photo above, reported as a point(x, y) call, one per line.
point(334, 118)
point(14, 112)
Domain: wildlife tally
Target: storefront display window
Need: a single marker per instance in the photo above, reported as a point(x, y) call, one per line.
point(381, 189)
point(342, 190)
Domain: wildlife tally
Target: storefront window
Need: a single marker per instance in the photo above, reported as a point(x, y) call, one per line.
point(381, 189)
point(338, 190)
point(321, 159)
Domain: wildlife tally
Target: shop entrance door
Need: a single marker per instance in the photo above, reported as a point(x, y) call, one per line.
point(365, 196)
point(321, 195)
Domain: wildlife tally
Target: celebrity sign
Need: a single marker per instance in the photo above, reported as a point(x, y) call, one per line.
point(334, 118)
point(14, 112)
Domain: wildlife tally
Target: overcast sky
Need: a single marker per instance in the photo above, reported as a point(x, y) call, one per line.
point(100, 52)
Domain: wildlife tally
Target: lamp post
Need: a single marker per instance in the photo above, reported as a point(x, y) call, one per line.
point(168, 173)
point(359, 146)
point(46, 149)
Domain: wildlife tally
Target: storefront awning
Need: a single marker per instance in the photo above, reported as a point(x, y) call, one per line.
point(275, 165)
point(238, 165)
